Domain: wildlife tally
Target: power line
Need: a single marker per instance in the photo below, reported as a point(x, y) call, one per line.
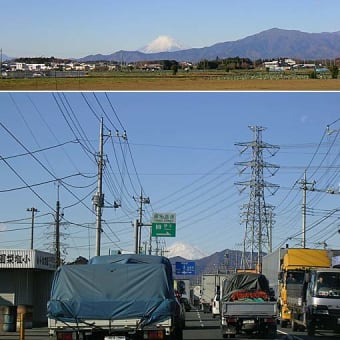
point(36, 184)
point(39, 162)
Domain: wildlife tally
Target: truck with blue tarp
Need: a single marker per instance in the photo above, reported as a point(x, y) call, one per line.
point(115, 297)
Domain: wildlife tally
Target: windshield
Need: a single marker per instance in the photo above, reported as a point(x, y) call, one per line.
point(328, 284)
point(295, 277)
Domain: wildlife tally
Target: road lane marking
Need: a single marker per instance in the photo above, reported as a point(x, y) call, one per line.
point(199, 318)
point(289, 336)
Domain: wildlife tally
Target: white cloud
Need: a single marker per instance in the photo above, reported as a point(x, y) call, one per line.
point(303, 119)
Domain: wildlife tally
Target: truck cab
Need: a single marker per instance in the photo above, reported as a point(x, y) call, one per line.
point(293, 265)
point(291, 284)
point(323, 299)
point(318, 306)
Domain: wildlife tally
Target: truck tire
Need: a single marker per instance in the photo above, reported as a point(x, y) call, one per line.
point(294, 325)
point(310, 328)
point(177, 334)
point(271, 333)
point(283, 323)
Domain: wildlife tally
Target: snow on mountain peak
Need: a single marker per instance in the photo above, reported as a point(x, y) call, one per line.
point(163, 43)
point(185, 250)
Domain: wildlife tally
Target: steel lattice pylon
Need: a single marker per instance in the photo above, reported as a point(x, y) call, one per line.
point(256, 214)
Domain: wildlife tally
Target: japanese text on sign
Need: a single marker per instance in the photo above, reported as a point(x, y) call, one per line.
point(14, 258)
point(164, 218)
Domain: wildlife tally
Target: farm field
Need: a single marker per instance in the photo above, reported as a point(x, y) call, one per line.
point(181, 82)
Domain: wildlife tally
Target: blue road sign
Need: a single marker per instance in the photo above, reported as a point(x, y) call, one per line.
point(185, 268)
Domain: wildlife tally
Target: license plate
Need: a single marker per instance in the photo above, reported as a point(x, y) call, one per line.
point(248, 321)
point(115, 337)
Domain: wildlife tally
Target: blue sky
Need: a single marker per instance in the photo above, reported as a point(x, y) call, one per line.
point(181, 152)
point(79, 28)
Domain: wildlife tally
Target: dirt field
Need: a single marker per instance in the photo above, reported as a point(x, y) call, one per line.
point(166, 84)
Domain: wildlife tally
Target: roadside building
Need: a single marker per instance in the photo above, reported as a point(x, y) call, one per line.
point(25, 281)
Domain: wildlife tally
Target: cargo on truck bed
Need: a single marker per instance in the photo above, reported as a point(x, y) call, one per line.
point(130, 296)
point(246, 306)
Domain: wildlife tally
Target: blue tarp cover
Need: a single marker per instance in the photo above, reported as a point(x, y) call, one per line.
point(111, 291)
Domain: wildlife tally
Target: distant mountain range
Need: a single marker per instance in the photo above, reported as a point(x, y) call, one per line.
point(217, 262)
point(272, 43)
point(5, 57)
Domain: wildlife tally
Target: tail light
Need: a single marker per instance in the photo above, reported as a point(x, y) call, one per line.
point(64, 336)
point(156, 335)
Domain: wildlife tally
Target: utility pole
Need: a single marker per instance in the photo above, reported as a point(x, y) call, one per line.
point(57, 218)
point(142, 200)
point(270, 214)
point(256, 212)
point(57, 234)
point(33, 210)
point(98, 198)
point(157, 246)
point(136, 226)
point(304, 188)
point(1, 63)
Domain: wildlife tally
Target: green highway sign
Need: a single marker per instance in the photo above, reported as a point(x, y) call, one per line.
point(163, 230)
point(163, 225)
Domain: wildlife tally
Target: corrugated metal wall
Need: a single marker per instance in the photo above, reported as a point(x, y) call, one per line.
point(26, 287)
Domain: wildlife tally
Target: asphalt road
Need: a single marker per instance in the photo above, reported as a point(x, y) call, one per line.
point(40, 333)
point(199, 325)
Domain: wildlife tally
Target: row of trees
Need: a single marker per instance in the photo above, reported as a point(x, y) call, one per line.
point(227, 64)
point(41, 60)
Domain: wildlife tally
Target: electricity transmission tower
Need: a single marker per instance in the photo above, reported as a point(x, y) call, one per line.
point(256, 214)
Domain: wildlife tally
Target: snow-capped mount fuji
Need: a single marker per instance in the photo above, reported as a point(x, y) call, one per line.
point(185, 251)
point(268, 44)
point(162, 43)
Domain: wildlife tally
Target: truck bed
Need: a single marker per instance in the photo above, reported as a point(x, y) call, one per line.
point(249, 309)
point(123, 324)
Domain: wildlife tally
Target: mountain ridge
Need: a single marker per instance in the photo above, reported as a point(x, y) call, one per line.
point(268, 44)
point(219, 261)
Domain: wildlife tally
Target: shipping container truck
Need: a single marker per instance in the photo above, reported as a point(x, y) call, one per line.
point(115, 297)
point(210, 285)
point(246, 307)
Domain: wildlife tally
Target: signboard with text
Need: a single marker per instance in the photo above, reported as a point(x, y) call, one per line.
point(24, 259)
point(185, 268)
point(163, 225)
